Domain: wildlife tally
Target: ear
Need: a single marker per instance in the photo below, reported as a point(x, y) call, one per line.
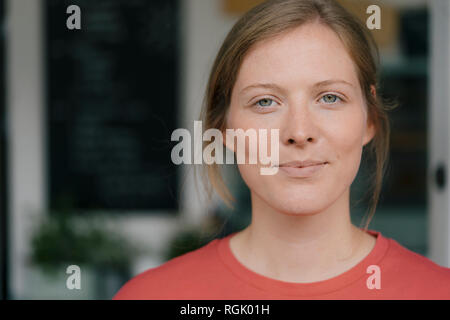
point(373, 91)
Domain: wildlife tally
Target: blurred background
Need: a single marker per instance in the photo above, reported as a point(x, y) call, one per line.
point(86, 117)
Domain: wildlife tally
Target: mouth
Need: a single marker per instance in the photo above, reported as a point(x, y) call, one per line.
point(297, 169)
point(302, 164)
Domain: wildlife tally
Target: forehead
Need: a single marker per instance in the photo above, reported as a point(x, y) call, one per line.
point(305, 55)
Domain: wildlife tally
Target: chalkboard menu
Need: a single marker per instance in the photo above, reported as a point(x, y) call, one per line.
point(111, 104)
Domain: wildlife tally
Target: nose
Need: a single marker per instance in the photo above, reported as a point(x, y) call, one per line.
point(299, 126)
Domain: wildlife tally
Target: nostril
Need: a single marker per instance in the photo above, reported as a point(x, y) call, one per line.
point(291, 141)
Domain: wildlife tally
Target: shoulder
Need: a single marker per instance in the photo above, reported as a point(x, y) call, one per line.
point(175, 276)
point(417, 273)
point(411, 260)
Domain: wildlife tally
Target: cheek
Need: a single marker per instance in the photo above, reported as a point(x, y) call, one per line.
point(243, 118)
point(252, 122)
point(347, 138)
point(346, 141)
point(250, 175)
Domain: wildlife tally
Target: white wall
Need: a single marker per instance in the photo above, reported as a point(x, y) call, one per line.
point(205, 27)
point(438, 121)
point(24, 102)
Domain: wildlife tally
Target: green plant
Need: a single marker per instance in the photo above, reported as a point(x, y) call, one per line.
point(60, 239)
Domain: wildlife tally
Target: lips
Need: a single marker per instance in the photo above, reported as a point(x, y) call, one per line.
point(302, 169)
point(302, 164)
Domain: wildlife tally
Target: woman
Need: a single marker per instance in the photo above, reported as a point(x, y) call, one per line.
point(307, 68)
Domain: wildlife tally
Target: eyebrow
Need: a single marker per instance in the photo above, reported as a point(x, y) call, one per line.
point(276, 87)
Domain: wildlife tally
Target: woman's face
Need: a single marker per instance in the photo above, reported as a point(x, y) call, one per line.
point(312, 95)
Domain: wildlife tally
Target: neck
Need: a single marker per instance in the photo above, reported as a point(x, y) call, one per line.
point(302, 247)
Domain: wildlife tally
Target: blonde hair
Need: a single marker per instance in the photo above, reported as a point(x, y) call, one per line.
point(272, 18)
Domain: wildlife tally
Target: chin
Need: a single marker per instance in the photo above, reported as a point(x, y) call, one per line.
point(294, 206)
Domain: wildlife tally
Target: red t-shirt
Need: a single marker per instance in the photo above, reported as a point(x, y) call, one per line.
point(389, 271)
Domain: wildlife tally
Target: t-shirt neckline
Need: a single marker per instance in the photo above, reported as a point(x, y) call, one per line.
point(275, 286)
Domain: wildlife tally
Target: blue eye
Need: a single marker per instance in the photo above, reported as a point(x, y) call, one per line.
point(266, 102)
point(330, 98)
